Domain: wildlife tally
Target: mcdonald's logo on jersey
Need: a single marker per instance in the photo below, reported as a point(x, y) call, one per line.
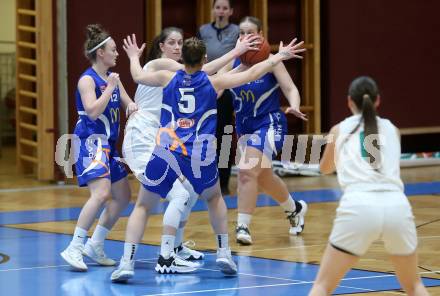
point(247, 95)
point(115, 115)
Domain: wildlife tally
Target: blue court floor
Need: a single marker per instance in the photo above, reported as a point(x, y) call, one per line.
point(30, 265)
point(34, 267)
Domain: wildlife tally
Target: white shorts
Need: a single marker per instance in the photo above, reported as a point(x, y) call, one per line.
point(139, 141)
point(363, 217)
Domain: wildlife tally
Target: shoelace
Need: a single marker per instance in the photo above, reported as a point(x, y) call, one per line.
point(179, 260)
point(189, 244)
point(293, 218)
point(241, 228)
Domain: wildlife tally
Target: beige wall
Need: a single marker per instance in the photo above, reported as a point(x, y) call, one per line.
point(7, 25)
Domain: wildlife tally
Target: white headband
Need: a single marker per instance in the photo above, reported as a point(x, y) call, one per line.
point(99, 45)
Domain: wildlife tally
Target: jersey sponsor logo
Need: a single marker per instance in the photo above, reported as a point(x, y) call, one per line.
point(247, 95)
point(176, 141)
point(115, 115)
point(185, 123)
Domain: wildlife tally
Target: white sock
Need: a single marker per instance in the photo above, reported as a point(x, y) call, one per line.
point(179, 237)
point(100, 234)
point(167, 245)
point(244, 219)
point(129, 251)
point(79, 235)
point(222, 241)
point(289, 204)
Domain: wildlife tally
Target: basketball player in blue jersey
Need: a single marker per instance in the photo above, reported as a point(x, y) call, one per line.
point(139, 144)
point(261, 127)
point(186, 141)
point(98, 99)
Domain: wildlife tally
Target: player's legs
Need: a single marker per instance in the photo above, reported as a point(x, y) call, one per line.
point(146, 201)
point(406, 271)
point(94, 248)
point(218, 215)
point(183, 250)
point(261, 174)
point(247, 192)
point(400, 239)
point(295, 211)
point(121, 194)
point(100, 193)
point(179, 203)
point(334, 265)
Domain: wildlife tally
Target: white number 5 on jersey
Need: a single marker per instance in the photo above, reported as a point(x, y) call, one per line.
point(187, 103)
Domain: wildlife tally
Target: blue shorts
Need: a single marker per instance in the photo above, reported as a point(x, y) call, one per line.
point(165, 167)
point(97, 159)
point(264, 132)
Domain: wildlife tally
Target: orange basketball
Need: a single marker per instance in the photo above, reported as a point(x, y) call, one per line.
point(252, 57)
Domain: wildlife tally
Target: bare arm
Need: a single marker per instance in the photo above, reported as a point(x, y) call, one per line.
point(127, 103)
point(164, 64)
point(230, 80)
point(327, 164)
point(289, 90)
point(249, 42)
point(92, 105)
point(157, 78)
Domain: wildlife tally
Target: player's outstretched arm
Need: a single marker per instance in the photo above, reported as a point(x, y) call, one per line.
point(159, 78)
point(249, 42)
point(230, 80)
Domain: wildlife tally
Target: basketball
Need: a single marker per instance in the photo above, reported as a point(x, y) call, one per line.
point(252, 57)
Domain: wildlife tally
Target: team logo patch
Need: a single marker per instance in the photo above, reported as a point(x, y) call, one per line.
point(185, 122)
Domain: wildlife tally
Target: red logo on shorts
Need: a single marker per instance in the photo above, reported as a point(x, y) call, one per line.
point(185, 123)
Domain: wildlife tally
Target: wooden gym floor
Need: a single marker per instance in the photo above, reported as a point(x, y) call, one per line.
point(26, 204)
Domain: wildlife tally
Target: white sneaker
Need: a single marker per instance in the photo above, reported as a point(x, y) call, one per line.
point(96, 252)
point(175, 264)
point(124, 272)
point(73, 255)
point(184, 252)
point(243, 235)
point(297, 219)
point(224, 261)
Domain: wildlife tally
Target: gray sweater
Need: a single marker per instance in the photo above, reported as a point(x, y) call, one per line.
point(218, 41)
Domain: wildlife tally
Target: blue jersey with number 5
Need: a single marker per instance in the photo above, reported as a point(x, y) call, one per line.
point(108, 122)
point(189, 115)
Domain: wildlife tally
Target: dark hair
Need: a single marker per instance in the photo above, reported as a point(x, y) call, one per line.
point(155, 52)
point(253, 20)
point(231, 3)
point(364, 92)
point(193, 51)
point(95, 35)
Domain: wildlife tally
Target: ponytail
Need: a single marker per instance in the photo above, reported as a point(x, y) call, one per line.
point(154, 51)
point(370, 129)
point(363, 92)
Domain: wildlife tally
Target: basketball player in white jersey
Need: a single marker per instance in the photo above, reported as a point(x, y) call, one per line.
point(364, 149)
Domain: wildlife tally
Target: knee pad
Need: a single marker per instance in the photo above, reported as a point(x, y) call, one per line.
point(177, 208)
point(191, 202)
